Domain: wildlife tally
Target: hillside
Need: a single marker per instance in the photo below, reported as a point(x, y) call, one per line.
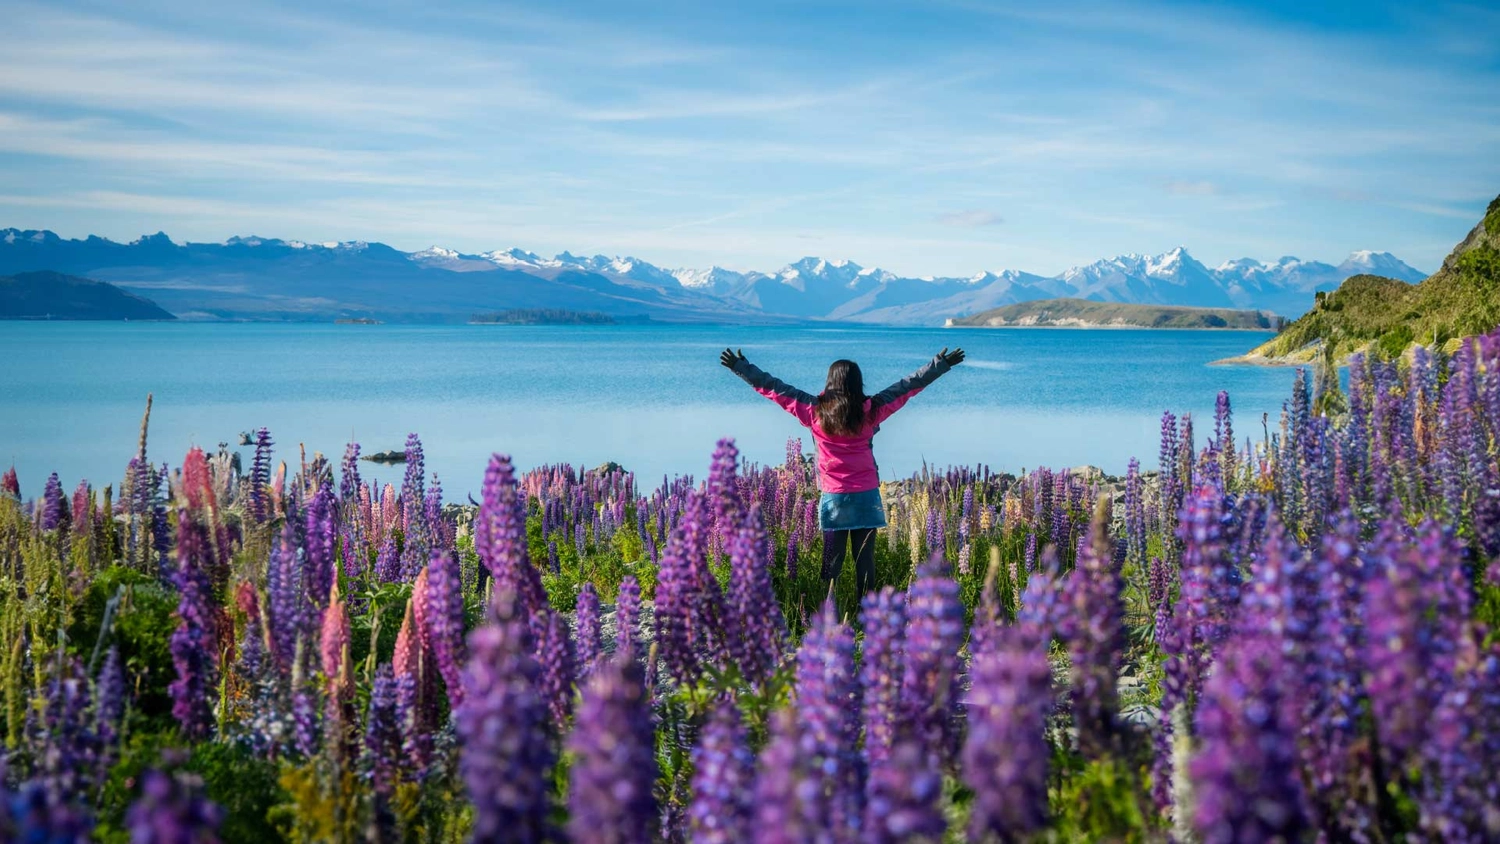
point(1385, 316)
point(1082, 313)
point(50, 295)
point(259, 278)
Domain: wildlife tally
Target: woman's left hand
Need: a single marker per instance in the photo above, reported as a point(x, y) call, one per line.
point(953, 358)
point(730, 358)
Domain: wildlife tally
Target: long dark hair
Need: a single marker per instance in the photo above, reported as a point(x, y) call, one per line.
point(841, 407)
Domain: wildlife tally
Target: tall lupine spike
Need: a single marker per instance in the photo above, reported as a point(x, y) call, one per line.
point(676, 599)
point(333, 649)
point(1224, 442)
point(350, 485)
point(627, 614)
point(828, 704)
point(1097, 646)
point(723, 776)
point(723, 491)
point(173, 810)
point(590, 645)
point(415, 690)
point(382, 743)
point(500, 540)
point(789, 804)
point(287, 602)
point(444, 617)
point(559, 669)
point(36, 813)
point(505, 749)
point(755, 629)
point(1245, 771)
point(109, 711)
point(9, 483)
point(1170, 492)
point(934, 637)
point(439, 530)
point(883, 618)
point(54, 508)
point(388, 562)
point(905, 798)
point(194, 643)
point(322, 530)
point(66, 748)
point(1005, 753)
point(252, 650)
point(260, 478)
point(611, 785)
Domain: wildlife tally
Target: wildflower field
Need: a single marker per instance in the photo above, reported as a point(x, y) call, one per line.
point(1282, 636)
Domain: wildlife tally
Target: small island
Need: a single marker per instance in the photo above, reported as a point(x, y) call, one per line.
point(544, 316)
point(358, 321)
point(1084, 313)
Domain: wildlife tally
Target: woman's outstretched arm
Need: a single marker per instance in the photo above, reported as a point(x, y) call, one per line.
point(792, 400)
point(892, 398)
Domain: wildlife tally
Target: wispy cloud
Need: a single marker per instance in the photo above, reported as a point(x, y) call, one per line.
point(729, 134)
point(970, 218)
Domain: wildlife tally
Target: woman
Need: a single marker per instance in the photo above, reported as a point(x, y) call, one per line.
point(843, 421)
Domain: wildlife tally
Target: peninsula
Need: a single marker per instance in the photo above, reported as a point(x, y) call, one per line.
point(1084, 313)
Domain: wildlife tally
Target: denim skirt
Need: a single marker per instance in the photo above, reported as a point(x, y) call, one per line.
point(851, 510)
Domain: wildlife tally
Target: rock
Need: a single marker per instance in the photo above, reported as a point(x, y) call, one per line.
point(385, 457)
point(246, 439)
point(609, 466)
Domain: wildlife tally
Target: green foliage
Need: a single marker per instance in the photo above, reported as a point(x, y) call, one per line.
point(1102, 801)
point(1394, 342)
point(1492, 217)
point(142, 628)
point(245, 787)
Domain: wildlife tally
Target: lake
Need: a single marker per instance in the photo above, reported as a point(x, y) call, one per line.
point(653, 398)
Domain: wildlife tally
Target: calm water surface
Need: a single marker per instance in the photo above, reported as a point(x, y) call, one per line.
point(651, 398)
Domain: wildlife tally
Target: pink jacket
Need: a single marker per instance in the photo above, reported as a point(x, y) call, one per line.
point(845, 464)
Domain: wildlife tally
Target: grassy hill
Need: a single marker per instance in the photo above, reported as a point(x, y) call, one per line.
point(50, 295)
point(1384, 316)
point(1084, 313)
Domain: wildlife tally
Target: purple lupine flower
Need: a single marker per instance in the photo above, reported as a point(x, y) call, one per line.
point(934, 636)
point(1030, 554)
point(555, 652)
point(553, 562)
point(685, 607)
point(1245, 771)
point(1135, 515)
point(937, 542)
point(586, 614)
point(505, 747)
point(883, 618)
point(500, 540)
point(439, 531)
point(627, 614)
point(260, 477)
point(905, 798)
point(1170, 491)
point(791, 557)
point(788, 798)
point(723, 775)
point(109, 710)
point(36, 813)
point(828, 704)
point(382, 746)
point(322, 529)
point(68, 756)
point(723, 489)
point(1005, 754)
point(388, 562)
point(172, 810)
point(286, 600)
point(306, 726)
point(1097, 646)
point(54, 505)
point(445, 620)
point(349, 482)
point(1224, 440)
point(611, 782)
point(194, 646)
point(755, 629)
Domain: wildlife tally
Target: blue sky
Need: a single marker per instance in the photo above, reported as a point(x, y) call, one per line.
point(927, 138)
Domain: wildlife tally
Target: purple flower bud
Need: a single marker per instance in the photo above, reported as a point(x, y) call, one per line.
point(610, 788)
point(194, 644)
point(1005, 753)
point(555, 653)
point(382, 749)
point(627, 614)
point(172, 810)
point(445, 620)
point(723, 775)
point(789, 801)
point(884, 621)
point(905, 802)
point(828, 705)
point(590, 647)
point(505, 747)
point(756, 630)
point(934, 636)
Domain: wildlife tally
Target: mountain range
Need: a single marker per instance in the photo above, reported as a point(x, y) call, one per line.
point(267, 278)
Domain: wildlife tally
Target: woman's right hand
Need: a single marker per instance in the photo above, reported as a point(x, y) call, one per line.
point(730, 357)
point(953, 358)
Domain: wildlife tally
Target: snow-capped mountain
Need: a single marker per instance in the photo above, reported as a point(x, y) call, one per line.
point(257, 276)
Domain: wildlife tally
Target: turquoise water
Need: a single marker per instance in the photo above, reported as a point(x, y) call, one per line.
point(651, 398)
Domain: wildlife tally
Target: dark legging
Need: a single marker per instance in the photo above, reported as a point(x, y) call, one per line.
point(836, 544)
